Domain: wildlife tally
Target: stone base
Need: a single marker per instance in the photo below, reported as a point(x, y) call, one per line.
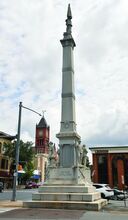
point(67, 188)
point(91, 206)
point(87, 197)
point(67, 197)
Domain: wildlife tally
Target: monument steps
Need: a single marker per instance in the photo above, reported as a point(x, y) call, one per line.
point(86, 197)
point(72, 205)
point(66, 188)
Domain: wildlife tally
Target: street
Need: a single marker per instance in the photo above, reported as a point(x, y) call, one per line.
point(37, 213)
point(24, 194)
point(115, 210)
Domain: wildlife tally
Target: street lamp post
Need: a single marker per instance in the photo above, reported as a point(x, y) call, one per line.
point(18, 148)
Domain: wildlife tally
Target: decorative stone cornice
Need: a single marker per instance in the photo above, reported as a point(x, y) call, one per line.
point(67, 69)
point(66, 95)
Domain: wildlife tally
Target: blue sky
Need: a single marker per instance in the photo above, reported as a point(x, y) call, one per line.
point(31, 64)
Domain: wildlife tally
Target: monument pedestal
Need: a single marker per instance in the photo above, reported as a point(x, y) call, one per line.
point(77, 175)
point(67, 188)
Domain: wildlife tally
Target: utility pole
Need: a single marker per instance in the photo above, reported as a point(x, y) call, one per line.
point(15, 175)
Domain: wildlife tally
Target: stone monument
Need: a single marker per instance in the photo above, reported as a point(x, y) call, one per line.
point(68, 182)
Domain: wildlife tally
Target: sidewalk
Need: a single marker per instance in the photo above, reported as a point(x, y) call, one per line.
point(111, 206)
point(10, 204)
point(10, 210)
point(118, 206)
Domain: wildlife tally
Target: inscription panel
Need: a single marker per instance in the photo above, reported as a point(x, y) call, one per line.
point(62, 173)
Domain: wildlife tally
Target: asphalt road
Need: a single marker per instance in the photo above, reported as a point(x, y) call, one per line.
point(39, 214)
point(24, 194)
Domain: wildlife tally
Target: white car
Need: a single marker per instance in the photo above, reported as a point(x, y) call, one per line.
point(105, 190)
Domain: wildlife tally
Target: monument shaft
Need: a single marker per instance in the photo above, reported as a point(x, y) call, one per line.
point(68, 121)
point(68, 137)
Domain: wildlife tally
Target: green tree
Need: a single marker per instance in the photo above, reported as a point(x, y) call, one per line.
point(26, 156)
point(26, 153)
point(9, 150)
point(29, 168)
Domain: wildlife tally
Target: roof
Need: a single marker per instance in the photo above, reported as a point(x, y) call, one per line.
point(6, 136)
point(42, 123)
point(107, 147)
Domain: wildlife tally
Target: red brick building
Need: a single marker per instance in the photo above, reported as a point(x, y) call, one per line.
point(110, 165)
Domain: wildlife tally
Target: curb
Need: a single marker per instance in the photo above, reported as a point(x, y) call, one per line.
point(10, 204)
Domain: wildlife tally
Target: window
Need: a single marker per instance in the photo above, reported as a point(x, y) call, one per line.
point(3, 164)
point(41, 141)
point(97, 186)
point(6, 164)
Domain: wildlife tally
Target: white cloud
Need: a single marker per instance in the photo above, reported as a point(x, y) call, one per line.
point(31, 63)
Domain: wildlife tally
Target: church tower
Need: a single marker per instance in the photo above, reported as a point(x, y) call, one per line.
point(42, 137)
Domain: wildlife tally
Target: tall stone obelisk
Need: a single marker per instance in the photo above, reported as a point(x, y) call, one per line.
point(68, 137)
point(68, 184)
point(69, 169)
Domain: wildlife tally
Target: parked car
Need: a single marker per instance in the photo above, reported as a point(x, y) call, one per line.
point(105, 190)
point(1, 187)
point(119, 195)
point(31, 185)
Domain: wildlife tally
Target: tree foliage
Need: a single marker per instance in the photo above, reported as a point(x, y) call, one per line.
point(9, 150)
point(25, 151)
point(26, 156)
